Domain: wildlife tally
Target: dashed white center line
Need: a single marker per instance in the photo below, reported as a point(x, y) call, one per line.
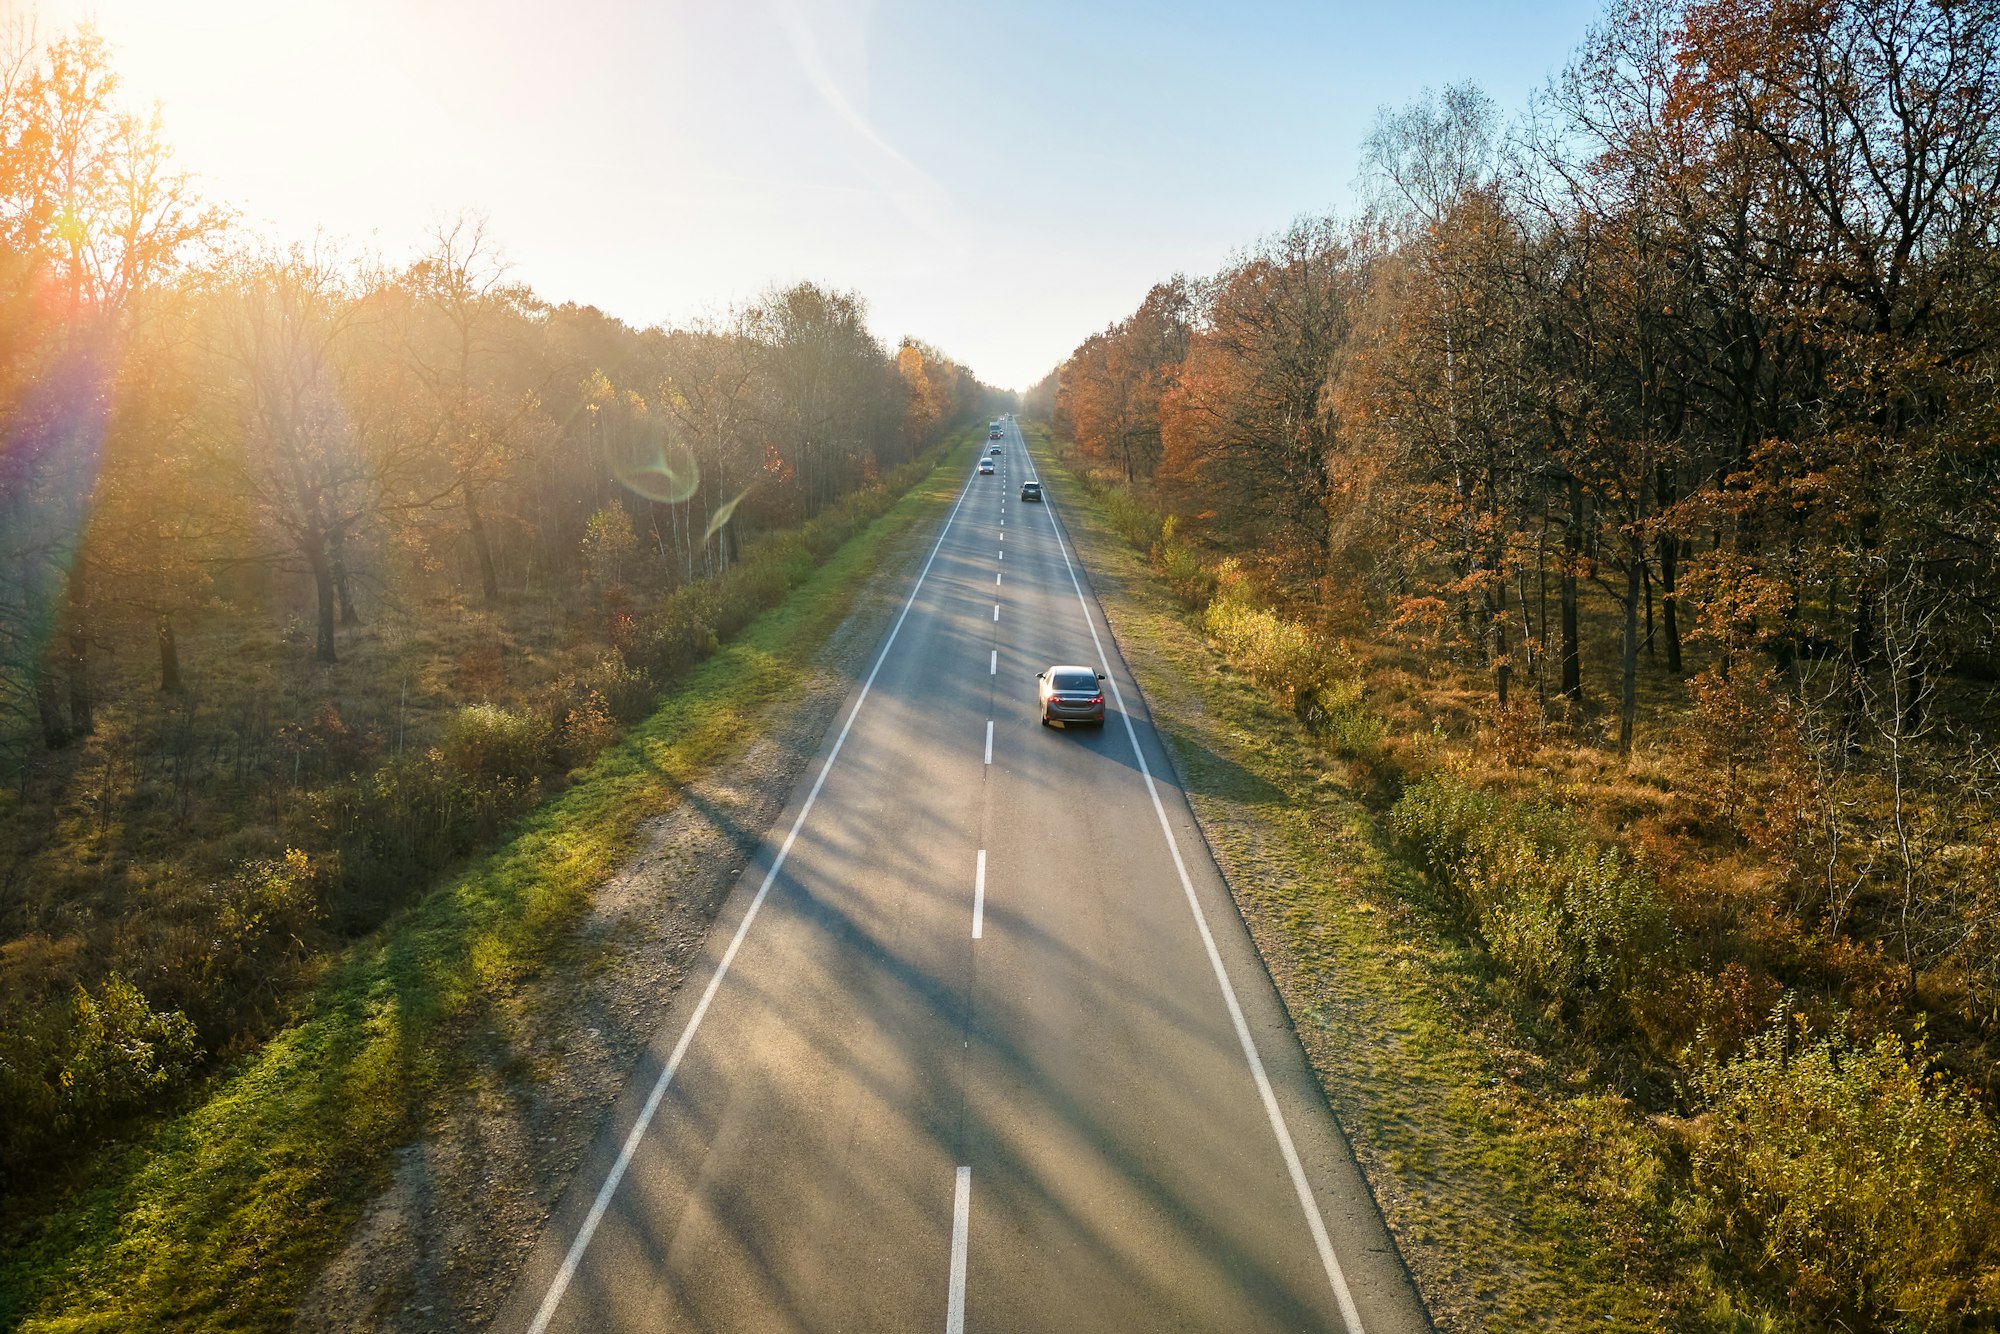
point(996, 611)
point(993, 667)
point(989, 741)
point(1001, 556)
point(979, 896)
point(996, 578)
point(961, 1224)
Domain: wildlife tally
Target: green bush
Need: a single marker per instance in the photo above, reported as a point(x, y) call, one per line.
point(1440, 820)
point(1278, 654)
point(80, 1068)
point(488, 743)
point(1138, 524)
point(1562, 914)
point(1863, 1188)
point(1338, 712)
point(1192, 581)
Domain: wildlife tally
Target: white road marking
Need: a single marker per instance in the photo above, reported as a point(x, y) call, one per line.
point(1001, 556)
point(993, 666)
point(996, 577)
point(961, 1225)
point(996, 611)
point(979, 895)
point(574, 1256)
point(989, 741)
point(1314, 1222)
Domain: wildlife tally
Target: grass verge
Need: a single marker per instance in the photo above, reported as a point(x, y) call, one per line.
point(1516, 1189)
point(221, 1218)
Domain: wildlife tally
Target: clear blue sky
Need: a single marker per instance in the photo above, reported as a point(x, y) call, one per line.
point(1000, 179)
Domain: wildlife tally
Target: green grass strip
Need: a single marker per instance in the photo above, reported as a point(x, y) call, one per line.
point(224, 1217)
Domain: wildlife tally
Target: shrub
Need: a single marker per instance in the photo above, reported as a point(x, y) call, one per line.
point(326, 747)
point(623, 690)
point(488, 743)
point(76, 1069)
point(1560, 913)
point(1867, 1189)
point(1138, 524)
point(1278, 654)
point(1439, 820)
point(1192, 581)
point(390, 832)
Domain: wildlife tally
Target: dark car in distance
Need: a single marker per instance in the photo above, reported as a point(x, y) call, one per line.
point(1031, 490)
point(1070, 694)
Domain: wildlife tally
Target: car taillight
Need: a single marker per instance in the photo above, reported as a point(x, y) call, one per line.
point(1097, 699)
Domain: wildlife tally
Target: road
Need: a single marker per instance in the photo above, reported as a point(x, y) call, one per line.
point(980, 1041)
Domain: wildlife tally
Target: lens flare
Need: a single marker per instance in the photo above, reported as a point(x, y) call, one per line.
point(660, 470)
point(722, 515)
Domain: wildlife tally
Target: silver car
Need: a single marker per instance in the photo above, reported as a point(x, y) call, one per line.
point(1071, 695)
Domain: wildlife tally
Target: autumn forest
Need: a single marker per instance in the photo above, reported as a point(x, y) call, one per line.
point(1634, 462)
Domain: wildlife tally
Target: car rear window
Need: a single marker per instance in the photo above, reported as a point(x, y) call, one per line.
point(1075, 681)
point(1032, 486)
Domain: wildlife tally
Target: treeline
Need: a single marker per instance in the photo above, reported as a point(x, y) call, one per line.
point(314, 570)
point(1664, 417)
point(1708, 335)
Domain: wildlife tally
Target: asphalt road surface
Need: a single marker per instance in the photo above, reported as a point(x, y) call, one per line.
point(980, 1041)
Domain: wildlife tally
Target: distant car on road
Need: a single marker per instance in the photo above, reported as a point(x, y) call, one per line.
point(1031, 490)
point(992, 435)
point(986, 467)
point(1071, 695)
point(994, 450)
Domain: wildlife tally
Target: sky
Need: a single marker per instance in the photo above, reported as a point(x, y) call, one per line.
point(1000, 180)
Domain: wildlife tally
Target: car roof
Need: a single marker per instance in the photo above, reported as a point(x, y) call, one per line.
point(1073, 667)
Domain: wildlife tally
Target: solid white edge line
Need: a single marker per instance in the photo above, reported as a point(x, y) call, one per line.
point(961, 1227)
point(979, 895)
point(574, 1257)
point(989, 741)
point(1314, 1222)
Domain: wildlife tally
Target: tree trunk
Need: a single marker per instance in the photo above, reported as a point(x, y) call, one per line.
point(170, 656)
point(77, 639)
point(1670, 623)
point(1628, 697)
point(78, 654)
point(1912, 692)
point(338, 556)
point(1646, 581)
point(475, 522)
point(1572, 665)
point(55, 729)
point(323, 587)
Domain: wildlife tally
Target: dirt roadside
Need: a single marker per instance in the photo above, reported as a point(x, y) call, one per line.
point(438, 1250)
